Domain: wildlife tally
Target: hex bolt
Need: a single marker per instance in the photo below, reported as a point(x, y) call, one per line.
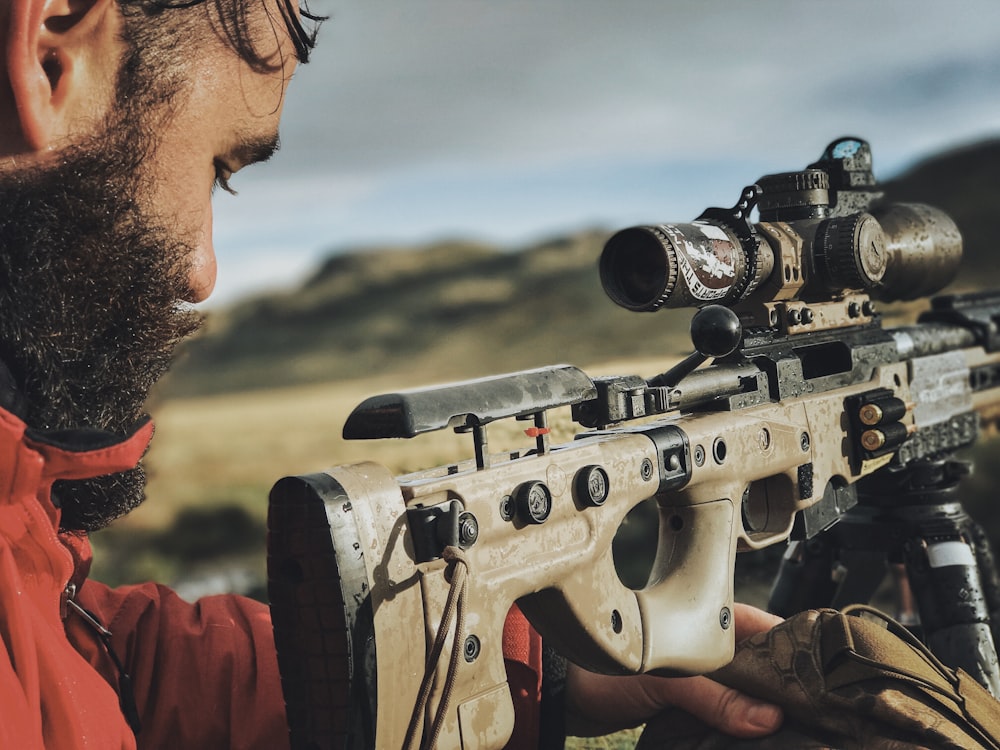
point(804, 441)
point(507, 508)
point(725, 618)
point(616, 621)
point(472, 648)
point(699, 455)
point(468, 530)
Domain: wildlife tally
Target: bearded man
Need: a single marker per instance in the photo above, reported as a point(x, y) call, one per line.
point(112, 139)
point(117, 119)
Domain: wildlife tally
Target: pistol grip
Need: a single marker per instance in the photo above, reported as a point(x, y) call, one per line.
point(687, 606)
point(681, 620)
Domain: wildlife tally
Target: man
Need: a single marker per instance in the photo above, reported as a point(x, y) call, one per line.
point(117, 118)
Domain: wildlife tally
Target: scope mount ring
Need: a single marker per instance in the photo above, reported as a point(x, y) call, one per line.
point(737, 219)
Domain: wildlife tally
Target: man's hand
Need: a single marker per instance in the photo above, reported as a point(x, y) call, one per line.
point(600, 704)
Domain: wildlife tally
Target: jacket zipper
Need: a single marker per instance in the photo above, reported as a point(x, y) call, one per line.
point(126, 691)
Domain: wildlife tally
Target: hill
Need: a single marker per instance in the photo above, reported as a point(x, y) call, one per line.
point(455, 310)
point(451, 310)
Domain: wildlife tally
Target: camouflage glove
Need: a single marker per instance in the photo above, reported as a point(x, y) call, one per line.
point(844, 682)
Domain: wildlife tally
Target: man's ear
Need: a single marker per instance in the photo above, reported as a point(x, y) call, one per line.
point(62, 56)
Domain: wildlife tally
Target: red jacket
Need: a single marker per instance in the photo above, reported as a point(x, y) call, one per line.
point(203, 675)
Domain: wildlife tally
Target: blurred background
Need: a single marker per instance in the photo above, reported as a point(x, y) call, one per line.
point(448, 174)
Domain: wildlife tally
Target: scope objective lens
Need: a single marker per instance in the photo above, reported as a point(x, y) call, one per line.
point(672, 265)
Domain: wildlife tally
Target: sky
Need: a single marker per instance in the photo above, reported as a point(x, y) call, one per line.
point(512, 121)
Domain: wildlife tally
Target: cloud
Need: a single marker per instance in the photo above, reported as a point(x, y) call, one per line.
point(405, 84)
point(507, 118)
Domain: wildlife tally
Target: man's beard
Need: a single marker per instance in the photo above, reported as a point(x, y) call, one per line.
point(89, 304)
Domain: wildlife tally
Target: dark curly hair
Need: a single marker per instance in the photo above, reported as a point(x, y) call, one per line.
point(167, 28)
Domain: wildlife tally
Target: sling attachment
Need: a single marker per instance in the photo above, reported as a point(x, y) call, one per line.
point(454, 608)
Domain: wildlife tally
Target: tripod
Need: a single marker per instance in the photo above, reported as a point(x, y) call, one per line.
point(908, 517)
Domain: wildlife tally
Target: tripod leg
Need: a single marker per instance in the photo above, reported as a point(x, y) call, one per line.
point(987, 573)
point(863, 572)
point(815, 574)
point(804, 579)
point(944, 576)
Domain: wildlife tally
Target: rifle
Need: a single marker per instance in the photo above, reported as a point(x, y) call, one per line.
point(389, 594)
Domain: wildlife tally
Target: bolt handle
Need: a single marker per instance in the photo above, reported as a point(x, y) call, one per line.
point(715, 332)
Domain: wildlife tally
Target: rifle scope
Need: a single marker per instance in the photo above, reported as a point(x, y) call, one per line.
point(822, 232)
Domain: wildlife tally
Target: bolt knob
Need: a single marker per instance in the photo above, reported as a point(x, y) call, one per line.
point(716, 331)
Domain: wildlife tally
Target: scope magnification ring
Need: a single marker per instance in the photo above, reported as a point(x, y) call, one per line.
point(854, 252)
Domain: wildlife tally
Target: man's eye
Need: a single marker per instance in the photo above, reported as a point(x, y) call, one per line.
point(222, 175)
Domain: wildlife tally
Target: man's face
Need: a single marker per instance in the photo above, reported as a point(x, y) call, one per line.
point(228, 119)
point(98, 250)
